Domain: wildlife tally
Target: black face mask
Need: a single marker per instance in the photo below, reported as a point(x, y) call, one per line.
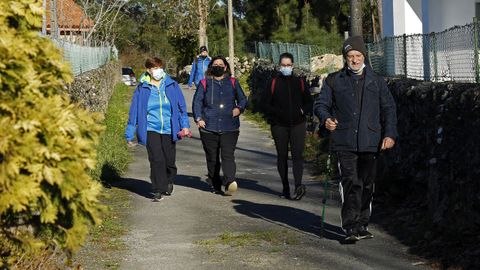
point(217, 71)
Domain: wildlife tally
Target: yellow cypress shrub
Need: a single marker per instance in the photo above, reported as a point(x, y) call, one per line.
point(47, 144)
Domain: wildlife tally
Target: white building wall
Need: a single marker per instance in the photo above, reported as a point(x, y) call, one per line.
point(413, 17)
point(444, 14)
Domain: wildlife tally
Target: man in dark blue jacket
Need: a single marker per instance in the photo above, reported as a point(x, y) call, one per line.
point(357, 107)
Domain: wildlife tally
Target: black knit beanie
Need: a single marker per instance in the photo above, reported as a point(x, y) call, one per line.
point(354, 43)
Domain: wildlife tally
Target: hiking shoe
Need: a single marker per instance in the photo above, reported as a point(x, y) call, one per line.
point(363, 233)
point(230, 188)
point(157, 196)
point(351, 235)
point(299, 192)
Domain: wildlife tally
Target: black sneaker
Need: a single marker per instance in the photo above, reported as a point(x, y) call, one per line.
point(363, 233)
point(299, 192)
point(230, 188)
point(351, 235)
point(285, 196)
point(157, 196)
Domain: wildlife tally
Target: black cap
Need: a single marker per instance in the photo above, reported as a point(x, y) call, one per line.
point(354, 43)
point(203, 49)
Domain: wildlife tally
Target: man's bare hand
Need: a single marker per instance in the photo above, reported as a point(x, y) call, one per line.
point(387, 143)
point(331, 124)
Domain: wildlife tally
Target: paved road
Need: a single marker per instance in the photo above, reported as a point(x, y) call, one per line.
point(163, 235)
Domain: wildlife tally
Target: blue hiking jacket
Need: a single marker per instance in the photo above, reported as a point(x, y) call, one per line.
point(199, 67)
point(137, 117)
point(215, 104)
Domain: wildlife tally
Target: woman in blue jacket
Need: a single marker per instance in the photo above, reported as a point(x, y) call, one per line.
point(217, 105)
point(158, 115)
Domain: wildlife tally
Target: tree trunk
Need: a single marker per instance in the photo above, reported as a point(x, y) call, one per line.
point(356, 18)
point(202, 28)
point(374, 25)
point(231, 52)
point(380, 18)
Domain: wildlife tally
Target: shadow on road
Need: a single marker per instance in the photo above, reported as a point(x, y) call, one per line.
point(140, 187)
point(192, 182)
point(289, 217)
point(254, 186)
point(144, 188)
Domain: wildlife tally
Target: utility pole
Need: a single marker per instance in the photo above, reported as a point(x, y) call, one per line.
point(356, 18)
point(202, 27)
point(231, 52)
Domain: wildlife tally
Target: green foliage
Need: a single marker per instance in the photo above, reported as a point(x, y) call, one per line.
point(47, 198)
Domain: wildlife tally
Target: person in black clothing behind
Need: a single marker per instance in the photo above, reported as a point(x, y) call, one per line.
point(356, 106)
point(285, 103)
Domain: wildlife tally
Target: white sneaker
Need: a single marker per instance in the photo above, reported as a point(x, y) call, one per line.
point(231, 188)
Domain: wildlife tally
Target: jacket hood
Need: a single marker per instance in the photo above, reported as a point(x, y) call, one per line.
point(168, 81)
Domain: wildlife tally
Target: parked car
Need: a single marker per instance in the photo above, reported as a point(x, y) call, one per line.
point(128, 76)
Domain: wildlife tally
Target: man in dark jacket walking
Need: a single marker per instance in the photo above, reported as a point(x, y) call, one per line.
point(285, 103)
point(357, 107)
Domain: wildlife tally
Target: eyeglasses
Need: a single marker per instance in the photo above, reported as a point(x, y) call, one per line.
point(286, 65)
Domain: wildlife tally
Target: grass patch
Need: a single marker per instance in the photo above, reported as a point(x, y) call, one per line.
point(103, 248)
point(112, 151)
point(275, 240)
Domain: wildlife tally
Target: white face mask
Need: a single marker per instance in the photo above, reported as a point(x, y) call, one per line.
point(286, 71)
point(359, 71)
point(158, 74)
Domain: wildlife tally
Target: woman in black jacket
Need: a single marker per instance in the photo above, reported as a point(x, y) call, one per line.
point(217, 105)
point(285, 103)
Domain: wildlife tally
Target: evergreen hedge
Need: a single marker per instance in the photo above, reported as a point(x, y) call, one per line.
point(47, 145)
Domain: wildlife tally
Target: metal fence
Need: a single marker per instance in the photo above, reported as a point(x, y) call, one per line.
point(301, 53)
point(86, 58)
point(451, 55)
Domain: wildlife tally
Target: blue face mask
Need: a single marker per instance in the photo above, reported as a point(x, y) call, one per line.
point(286, 71)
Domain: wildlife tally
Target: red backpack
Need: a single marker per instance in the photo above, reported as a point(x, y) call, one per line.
point(204, 83)
point(273, 85)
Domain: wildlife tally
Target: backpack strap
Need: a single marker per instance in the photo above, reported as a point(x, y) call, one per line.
point(204, 84)
point(273, 85)
point(302, 85)
point(232, 80)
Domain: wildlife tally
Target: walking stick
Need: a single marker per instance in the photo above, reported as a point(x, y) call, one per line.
point(325, 185)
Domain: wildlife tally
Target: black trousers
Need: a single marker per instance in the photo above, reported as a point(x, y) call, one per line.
point(295, 138)
point(219, 152)
point(161, 154)
point(357, 172)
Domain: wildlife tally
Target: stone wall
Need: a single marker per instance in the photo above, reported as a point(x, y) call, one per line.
point(94, 88)
point(434, 171)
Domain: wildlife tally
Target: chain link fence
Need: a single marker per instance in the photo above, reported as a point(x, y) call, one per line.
point(86, 58)
point(451, 55)
point(301, 53)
